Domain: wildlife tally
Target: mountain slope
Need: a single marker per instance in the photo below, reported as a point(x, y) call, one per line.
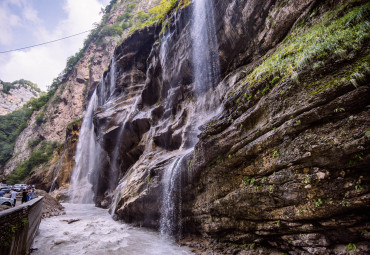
point(69, 92)
point(14, 95)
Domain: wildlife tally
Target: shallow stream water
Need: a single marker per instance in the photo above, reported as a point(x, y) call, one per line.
point(97, 233)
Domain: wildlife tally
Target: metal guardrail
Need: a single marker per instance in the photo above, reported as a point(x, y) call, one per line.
point(18, 227)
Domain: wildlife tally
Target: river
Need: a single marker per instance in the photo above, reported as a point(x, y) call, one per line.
point(97, 233)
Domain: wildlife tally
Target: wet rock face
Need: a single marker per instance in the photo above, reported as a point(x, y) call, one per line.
point(283, 167)
point(273, 181)
point(118, 131)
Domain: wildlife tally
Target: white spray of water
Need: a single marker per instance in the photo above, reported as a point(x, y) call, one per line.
point(115, 168)
point(112, 76)
point(88, 150)
point(205, 46)
point(85, 159)
point(206, 76)
point(96, 233)
point(170, 222)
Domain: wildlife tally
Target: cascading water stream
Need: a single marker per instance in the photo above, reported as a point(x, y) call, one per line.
point(88, 150)
point(85, 159)
point(112, 76)
point(170, 222)
point(206, 76)
point(59, 167)
point(205, 46)
point(102, 92)
point(114, 173)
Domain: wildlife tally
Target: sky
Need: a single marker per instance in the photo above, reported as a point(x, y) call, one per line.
point(28, 22)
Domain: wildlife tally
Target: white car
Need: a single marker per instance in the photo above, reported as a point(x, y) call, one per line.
point(19, 187)
point(6, 201)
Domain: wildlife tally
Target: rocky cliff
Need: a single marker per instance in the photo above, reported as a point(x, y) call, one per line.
point(239, 125)
point(14, 95)
point(280, 162)
point(53, 122)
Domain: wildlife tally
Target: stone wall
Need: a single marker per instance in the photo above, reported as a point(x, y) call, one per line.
point(18, 227)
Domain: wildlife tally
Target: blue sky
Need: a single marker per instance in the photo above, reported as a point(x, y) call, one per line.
point(28, 22)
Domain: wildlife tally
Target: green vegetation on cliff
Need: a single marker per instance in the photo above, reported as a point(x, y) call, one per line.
point(38, 157)
point(93, 36)
point(154, 15)
point(337, 35)
point(11, 125)
point(7, 86)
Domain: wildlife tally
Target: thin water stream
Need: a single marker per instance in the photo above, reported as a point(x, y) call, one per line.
point(207, 105)
point(97, 233)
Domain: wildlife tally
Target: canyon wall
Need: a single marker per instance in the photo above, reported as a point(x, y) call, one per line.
point(281, 158)
point(255, 135)
point(62, 115)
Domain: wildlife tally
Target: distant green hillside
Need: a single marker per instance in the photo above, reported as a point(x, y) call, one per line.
point(12, 125)
point(7, 86)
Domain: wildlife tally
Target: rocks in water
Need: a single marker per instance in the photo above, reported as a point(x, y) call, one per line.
point(71, 221)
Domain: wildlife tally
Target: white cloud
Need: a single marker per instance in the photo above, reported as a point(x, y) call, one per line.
point(15, 2)
point(42, 64)
point(30, 14)
point(7, 23)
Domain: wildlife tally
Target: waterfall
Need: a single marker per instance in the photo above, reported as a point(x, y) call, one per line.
point(59, 167)
point(105, 92)
point(85, 159)
point(88, 150)
point(102, 92)
point(115, 168)
point(206, 76)
point(205, 46)
point(170, 222)
point(112, 76)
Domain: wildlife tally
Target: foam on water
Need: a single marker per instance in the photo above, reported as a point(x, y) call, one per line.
point(97, 233)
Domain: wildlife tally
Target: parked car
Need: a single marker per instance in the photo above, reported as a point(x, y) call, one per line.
point(19, 187)
point(6, 189)
point(6, 201)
